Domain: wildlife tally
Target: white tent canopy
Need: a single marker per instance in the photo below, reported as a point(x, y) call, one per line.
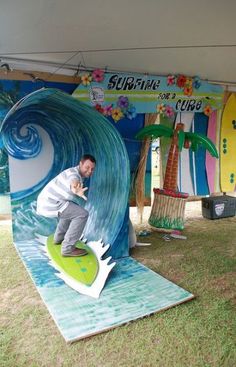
point(153, 36)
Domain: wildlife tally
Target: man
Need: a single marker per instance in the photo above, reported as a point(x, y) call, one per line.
point(56, 200)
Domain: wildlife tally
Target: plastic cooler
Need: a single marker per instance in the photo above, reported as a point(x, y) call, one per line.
point(216, 207)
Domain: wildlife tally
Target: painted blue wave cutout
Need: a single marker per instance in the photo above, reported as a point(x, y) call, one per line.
point(74, 129)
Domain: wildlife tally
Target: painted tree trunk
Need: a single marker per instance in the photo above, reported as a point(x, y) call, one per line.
point(171, 174)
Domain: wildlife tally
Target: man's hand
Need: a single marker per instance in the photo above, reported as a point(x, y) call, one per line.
point(78, 189)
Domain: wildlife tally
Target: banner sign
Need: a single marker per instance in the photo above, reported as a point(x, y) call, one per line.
point(148, 94)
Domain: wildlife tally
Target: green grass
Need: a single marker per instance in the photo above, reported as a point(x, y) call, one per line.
point(199, 333)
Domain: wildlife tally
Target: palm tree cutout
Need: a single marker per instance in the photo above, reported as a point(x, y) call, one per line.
point(179, 139)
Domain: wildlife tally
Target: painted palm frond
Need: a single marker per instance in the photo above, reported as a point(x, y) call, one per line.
point(154, 131)
point(179, 139)
point(198, 140)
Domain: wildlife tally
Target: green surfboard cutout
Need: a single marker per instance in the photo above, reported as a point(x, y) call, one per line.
point(84, 269)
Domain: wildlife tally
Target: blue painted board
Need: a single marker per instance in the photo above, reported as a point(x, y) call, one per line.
point(198, 158)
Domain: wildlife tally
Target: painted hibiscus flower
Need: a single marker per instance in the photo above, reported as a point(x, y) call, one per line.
point(170, 80)
point(99, 108)
point(131, 112)
point(108, 110)
point(161, 108)
point(189, 82)
point(122, 102)
point(117, 114)
point(98, 75)
point(197, 82)
point(169, 111)
point(188, 91)
point(181, 80)
point(207, 110)
point(86, 79)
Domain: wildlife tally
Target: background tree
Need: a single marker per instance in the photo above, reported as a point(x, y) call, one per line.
point(179, 139)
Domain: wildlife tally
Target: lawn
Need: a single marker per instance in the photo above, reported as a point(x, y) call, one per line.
point(199, 333)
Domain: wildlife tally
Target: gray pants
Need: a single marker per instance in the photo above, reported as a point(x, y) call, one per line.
point(70, 227)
